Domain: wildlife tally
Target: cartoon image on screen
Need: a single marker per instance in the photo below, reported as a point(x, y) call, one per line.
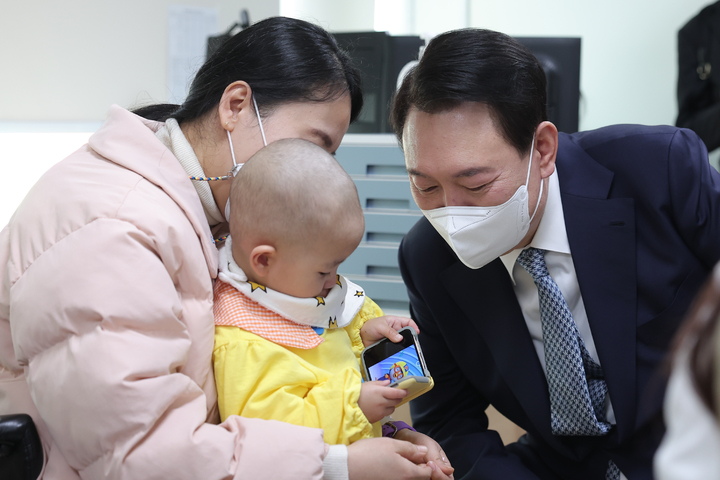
point(402, 364)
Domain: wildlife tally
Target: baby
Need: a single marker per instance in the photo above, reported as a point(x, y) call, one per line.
point(289, 329)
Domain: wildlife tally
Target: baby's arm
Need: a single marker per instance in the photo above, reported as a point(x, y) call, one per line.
point(377, 400)
point(386, 326)
point(369, 311)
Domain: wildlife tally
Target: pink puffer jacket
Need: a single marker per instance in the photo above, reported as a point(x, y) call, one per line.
point(106, 324)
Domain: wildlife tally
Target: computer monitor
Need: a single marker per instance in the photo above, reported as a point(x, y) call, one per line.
point(380, 58)
point(214, 42)
point(560, 58)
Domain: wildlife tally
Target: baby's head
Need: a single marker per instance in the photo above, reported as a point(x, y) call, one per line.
point(294, 217)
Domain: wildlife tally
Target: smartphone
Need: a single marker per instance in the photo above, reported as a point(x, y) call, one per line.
point(402, 363)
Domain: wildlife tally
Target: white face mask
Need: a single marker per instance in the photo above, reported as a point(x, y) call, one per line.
point(236, 167)
point(479, 235)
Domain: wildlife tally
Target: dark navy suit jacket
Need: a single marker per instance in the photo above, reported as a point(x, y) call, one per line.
point(642, 212)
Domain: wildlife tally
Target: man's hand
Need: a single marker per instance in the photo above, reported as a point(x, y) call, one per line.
point(435, 455)
point(385, 327)
point(377, 400)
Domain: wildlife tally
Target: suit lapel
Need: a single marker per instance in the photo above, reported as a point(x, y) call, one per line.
point(601, 233)
point(487, 298)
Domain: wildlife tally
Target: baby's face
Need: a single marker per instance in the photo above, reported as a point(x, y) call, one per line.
point(309, 271)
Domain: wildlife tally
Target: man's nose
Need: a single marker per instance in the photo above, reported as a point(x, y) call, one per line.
point(451, 199)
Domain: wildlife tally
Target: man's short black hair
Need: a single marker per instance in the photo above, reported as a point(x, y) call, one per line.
point(476, 65)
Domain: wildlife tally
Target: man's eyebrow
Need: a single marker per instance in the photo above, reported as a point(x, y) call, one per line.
point(471, 172)
point(468, 172)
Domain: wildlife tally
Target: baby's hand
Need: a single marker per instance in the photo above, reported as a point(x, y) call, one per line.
point(387, 326)
point(377, 400)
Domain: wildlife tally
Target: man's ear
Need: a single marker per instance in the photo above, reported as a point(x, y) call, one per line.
point(262, 259)
point(546, 144)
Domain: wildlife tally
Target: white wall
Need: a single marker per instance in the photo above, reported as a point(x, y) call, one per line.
point(63, 63)
point(629, 50)
point(334, 15)
point(70, 60)
point(432, 17)
point(25, 156)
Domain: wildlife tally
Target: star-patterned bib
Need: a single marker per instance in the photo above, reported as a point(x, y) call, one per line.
point(337, 309)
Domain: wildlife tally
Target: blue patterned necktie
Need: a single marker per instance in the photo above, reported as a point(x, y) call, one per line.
point(575, 381)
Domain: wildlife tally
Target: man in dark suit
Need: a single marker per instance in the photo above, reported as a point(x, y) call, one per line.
point(551, 270)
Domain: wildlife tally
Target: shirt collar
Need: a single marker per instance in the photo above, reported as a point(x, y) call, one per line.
point(172, 136)
point(551, 234)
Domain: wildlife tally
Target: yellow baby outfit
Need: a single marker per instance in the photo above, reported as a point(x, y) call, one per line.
point(268, 366)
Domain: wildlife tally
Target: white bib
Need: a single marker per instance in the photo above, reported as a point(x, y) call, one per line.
point(341, 305)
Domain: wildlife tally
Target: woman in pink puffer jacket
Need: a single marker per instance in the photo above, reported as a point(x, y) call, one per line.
point(106, 324)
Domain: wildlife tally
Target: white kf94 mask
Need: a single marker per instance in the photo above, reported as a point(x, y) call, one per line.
point(479, 235)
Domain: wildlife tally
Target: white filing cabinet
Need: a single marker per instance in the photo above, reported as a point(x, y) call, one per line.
point(377, 165)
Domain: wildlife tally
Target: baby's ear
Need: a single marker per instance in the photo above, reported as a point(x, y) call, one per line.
point(262, 258)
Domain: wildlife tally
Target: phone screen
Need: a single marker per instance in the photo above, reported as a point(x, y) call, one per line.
point(394, 361)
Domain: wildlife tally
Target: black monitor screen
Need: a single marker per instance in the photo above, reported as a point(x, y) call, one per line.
point(380, 58)
point(560, 58)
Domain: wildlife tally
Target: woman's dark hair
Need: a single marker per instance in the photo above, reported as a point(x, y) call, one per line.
point(698, 336)
point(474, 65)
point(282, 59)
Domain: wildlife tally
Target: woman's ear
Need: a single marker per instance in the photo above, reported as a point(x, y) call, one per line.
point(546, 144)
point(235, 101)
point(262, 259)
